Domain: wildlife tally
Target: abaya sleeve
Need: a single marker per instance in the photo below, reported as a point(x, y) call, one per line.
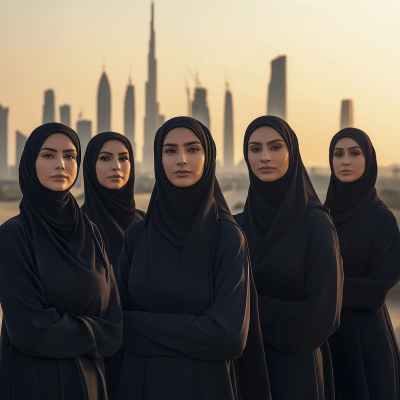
point(300, 327)
point(370, 292)
point(38, 330)
point(219, 334)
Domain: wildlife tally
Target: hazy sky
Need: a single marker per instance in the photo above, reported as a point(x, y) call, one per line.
point(335, 49)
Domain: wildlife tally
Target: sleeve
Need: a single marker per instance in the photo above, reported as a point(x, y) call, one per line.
point(219, 334)
point(300, 327)
point(34, 328)
point(370, 292)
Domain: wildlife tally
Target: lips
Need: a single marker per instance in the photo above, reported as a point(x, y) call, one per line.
point(115, 177)
point(59, 177)
point(266, 169)
point(182, 173)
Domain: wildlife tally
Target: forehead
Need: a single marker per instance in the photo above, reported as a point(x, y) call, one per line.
point(180, 135)
point(114, 146)
point(59, 141)
point(346, 142)
point(264, 134)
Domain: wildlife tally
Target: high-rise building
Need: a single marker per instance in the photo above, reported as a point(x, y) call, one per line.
point(48, 107)
point(228, 130)
point(199, 106)
point(65, 115)
point(84, 131)
point(103, 105)
point(152, 119)
point(3, 141)
point(129, 115)
point(277, 88)
point(347, 114)
point(20, 144)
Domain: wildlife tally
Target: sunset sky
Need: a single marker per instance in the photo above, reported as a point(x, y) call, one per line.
point(335, 49)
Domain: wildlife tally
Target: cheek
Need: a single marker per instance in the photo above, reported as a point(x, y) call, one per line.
point(167, 163)
point(73, 169)
point(101, 171)
point(360, 166)
point(126, 170)
point(253, 161)
point(336, 165)
point(41, 170)
point(283, 162)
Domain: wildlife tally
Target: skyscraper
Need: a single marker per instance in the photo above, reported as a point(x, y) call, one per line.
point(65, 115)
point(20, 144)
point(228, 130)
point(129, 115)
point(48, 107)
point(199, 106)
point(152, 119)
point(3, 141)
point(347, 116)
point(103, 105)
point(84, 131)
point(277, 88)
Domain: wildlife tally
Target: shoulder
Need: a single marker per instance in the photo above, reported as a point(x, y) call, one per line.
point(238, 217)
point(318, 217)
point(322, 232)
point(11, 228)
point(135, 229)
point(380, 215)
point(231, 236)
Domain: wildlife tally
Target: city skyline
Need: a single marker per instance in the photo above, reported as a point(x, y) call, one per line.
point(335, 51)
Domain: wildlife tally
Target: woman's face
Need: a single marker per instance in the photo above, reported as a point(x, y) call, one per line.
point(183, 157)
point(56, 165)
point(348, 160)
point(113, 166)
point(268, 154)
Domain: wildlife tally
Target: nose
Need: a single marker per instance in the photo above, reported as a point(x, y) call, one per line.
point(60, 163)
point(116, 165)
point(346, 160)
point(265, 156)
point(181, 158)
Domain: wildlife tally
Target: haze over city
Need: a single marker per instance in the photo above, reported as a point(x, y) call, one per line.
point(335, 50)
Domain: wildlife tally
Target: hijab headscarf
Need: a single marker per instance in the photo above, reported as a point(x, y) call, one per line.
point(112, 210)
point(274, 207)
point(350, 201)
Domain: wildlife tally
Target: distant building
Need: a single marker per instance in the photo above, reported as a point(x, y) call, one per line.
point(48, 107)
point(84, 131)
point(20, 144)
point(65, 115)
point(277, 88)
point(152, 119)
point(199, 106)
point(103, 105)
point(347, 114)
point(129, 116)
point(3, 141)
point(228, 131)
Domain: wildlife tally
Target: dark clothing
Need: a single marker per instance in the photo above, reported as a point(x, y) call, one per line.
point(364, 349)
point(299, 303)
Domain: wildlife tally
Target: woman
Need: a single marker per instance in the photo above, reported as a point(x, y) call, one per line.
point(61, 310)
point(295, 261)
point(365, 353)
point(185, 284)
point(109, 179)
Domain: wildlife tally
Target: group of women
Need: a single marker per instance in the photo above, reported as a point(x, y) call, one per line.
point(283, 301)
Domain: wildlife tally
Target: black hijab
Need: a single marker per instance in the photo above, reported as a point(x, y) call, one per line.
point(350, 201)
point(112, 210)
point(177, 217)
point(273, 207)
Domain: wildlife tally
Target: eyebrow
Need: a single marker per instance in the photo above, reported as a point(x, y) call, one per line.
point(55, 151)
point(186, 144)
point(350, 148)
point(272, 141)
point(111, 154)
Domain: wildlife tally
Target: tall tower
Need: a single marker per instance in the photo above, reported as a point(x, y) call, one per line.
point(48, 107)
point(199, 106)
point(347, 114)
point(103, 105)
point(129, 115)
point(65, 115)
point(3, 141)
point(84, 131)
point(152, 119)
point(228, 130)
point(20, 140)
point(277, 88)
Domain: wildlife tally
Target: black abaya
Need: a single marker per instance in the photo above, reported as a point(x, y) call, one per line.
point(298, 274)
point(186, 292)
point(61, 309)
point(365, 353)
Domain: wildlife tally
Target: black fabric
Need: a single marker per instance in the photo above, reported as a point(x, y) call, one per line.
point(365, 353)
point(297, 271)
point(112, 210)
point(187, 293)
point(350, 201)
point(61, 310)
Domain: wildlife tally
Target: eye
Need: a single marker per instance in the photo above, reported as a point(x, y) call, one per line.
point(193, 150)
point(105, 158)
point(48, 155)
point(255, 149)
point(170, 151)
point(355, 153)
point(70, 156)
point(276, 147)
point(124, 158)
point(338, 154)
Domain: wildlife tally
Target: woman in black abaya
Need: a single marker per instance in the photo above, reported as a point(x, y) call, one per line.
point(61, 310)
point(185, 285)
point(295, 260)
point(365, 353)
point(110, 201)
